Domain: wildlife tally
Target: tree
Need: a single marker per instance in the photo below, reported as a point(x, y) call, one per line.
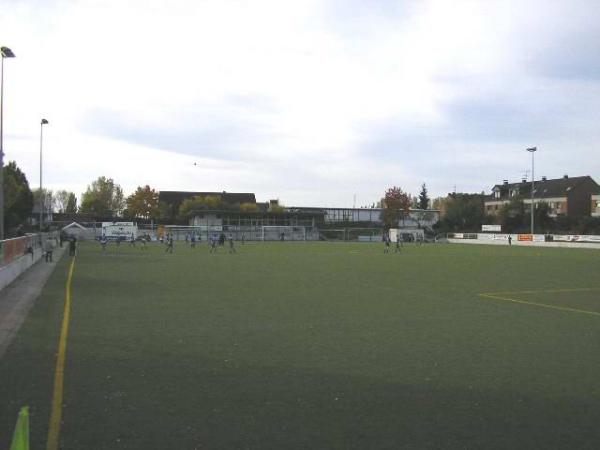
point(103, 197)
point(423, 198)
point(143, 203)
point(543, 221)
point(199, 203)
point(61, 200)
point(512, 215)
point(18, 199)
point(462, 212)
point(248, 207)
point(71, 206)
point(395, 205)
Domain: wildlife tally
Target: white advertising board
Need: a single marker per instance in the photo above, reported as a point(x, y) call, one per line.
point(494, 228)
point(114, 230)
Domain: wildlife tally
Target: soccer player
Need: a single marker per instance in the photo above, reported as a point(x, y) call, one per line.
point(213, 244)
point(398, 243)
point(509, 239)
point(132, 240)
point(193, 240)
point(386, 242)
point(231, 247)
point(169, 248)
point(103, 242)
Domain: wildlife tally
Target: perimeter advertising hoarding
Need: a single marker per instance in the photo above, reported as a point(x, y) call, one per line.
point(525, 237)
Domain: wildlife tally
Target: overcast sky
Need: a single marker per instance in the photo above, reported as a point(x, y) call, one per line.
point(310, 102)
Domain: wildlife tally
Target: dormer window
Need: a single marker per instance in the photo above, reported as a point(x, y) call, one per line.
point(496, 193)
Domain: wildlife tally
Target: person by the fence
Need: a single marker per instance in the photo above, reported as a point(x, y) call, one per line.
point(48, 248)
point(72, 246)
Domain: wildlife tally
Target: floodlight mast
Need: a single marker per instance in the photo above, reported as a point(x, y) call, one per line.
point(532, 150)
point(42, 199)
point(5, 52)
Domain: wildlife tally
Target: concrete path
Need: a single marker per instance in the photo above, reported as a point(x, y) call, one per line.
point(17, 298)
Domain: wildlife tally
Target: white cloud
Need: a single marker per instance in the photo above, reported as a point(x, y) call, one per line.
point(287, 99)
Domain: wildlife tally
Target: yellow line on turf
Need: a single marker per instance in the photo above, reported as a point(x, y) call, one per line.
point(544, 291)
point(541, 305)
point(59, 374)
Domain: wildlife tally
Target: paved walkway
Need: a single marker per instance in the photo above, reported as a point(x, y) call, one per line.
point(17, 298)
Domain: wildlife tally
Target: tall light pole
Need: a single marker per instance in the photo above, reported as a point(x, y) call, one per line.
point(42, 123)
point(6, 53)
point(532, 150)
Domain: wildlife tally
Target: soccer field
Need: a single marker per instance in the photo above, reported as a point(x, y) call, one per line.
point(315, 346)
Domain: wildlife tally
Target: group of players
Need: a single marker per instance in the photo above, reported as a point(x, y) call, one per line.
point(387, 242)
point(214, 241)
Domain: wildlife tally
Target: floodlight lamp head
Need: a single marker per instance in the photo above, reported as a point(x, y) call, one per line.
point(532, 149)
point(6, 52)
point(44, 122)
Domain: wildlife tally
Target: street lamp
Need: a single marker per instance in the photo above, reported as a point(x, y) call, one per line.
point(42, 123)
point(6, 53)
point(532, 150)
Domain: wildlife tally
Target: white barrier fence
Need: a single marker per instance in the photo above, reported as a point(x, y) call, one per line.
point(19, 254)
point(545, 240)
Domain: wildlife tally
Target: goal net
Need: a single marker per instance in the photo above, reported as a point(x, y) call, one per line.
point(284, 233)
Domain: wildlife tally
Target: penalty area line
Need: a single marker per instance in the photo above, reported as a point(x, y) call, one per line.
point(59, 373)
point(541, 305)
point(544, 291)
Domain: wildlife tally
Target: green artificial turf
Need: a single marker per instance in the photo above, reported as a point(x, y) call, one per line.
point(316, 346)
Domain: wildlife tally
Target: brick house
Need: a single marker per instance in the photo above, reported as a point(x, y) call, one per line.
point(566, 196)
